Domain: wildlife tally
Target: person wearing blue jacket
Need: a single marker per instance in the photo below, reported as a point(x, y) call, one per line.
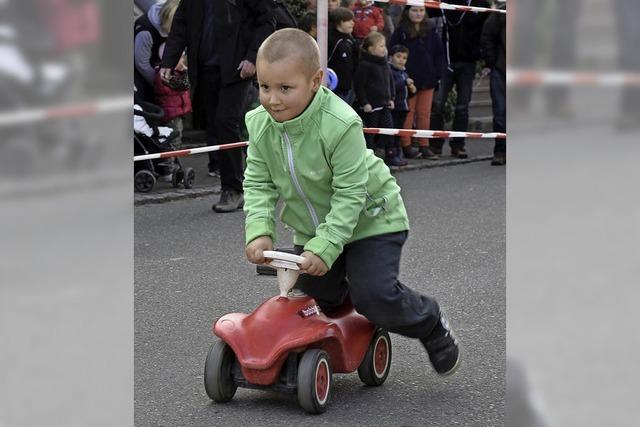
point(425, 65)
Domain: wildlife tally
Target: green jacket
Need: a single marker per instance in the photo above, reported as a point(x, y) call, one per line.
point(335, 190)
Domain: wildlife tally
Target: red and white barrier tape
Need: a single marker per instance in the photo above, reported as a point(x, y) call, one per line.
point(382, 131)
point(443, 6)
point(91, 108)
point(570, 78)
point(435, 133)
point(188, 152)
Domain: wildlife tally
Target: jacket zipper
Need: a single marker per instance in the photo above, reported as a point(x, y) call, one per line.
point(296, 183)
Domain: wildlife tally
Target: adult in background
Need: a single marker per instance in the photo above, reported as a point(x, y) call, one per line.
point(494, 53)
point(149, 33)
point(461, 37)
point(222, 39)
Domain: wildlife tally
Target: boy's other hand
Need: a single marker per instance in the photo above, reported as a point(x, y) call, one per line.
point(409, 82)
point(391, 105)
point(313, 264)
point(255, 250)
point(367, 108)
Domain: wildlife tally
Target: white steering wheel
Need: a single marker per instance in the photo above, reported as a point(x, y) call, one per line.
point(283, 260)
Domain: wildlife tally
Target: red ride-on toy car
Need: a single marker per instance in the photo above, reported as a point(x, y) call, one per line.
point(287, 344)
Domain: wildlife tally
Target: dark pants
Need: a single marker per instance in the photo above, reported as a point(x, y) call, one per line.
point(378, 119)
point(462, 77)
point(499, 106)
point(398, 118)
point(368, 270)
point(225, 108)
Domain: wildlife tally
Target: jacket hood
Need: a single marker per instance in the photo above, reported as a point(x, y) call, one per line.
point(154, 17)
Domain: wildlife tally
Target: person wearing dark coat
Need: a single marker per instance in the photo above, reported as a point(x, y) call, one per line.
point(222, 40)
point(375, 91)
point(494, 53)
point(461, 37)
point(343, 52)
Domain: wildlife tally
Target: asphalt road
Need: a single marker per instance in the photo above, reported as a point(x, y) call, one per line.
point(190, 269)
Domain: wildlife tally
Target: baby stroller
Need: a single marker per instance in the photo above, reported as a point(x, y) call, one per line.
point(149, 138)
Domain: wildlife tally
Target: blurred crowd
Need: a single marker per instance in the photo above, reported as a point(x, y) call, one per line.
point(402, 67)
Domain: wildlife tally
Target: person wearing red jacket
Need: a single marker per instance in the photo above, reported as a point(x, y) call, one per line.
point(367, 18)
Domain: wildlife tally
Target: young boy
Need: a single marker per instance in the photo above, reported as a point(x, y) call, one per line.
point(343, 52)
point(307, 148)
point(405, 88)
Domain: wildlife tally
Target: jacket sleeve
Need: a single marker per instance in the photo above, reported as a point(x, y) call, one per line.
point(142, 45)
point(360, 84)
point(260, 198)
point(349, 185)
point(439, 59)
point(392, 84)
point(177, 39)
point(264, 25)
point(489, 40)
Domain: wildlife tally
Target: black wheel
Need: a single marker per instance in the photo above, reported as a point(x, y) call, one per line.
point(144, 181)
point(376, 363)
point(189, 177)
point(176, 177)
point(314, 381)
point(218, 376)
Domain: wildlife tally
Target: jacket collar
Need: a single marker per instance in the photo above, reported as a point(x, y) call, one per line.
point(298, 124)
point(375, 59)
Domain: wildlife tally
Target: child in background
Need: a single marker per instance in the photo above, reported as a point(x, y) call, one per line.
point(343, 52)
point(333, 5)
point(425, 65)
point(347, 3)
point(375, 91)
point(349, 220)
point(368, 18)
point(308, 24)
point(403, 84)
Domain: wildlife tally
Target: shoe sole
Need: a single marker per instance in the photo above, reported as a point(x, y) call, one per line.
point(240, 206)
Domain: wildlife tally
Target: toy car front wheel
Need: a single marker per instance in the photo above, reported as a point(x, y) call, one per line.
point(218, 374)
point(314, 381)
point(376, 363)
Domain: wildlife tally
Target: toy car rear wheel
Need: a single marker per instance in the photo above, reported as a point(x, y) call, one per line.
point(375, 366)
point(314, 381)
point(189, 178)
point(144, 181)
point(218, 373)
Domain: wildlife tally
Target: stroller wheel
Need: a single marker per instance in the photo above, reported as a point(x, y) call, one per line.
point(144, 181)
point(189, 177)
point(176, 177)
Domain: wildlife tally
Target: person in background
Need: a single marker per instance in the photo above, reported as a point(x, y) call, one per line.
point(308, 23)
point(149, 34)
point(404, 87)
point(333, 5)
point(343, 52)
point(424, 65)
point(494, 53)
point(222, 40)
point(368, 18)
point(461, 35)
point(375, 91)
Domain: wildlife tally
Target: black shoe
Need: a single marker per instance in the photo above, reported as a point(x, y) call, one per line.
point(460, 153)
point(411, 152)
point(498, 161)
point(229, 201)
point(428, 154)
point(443, 349)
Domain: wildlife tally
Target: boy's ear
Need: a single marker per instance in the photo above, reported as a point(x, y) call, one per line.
point(317, 80)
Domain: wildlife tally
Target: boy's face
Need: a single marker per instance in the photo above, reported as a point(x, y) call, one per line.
point(399, 59)
point(346, 27)
point(379, 48)
point(286, 88)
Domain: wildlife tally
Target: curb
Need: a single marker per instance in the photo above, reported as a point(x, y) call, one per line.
point(170, 196)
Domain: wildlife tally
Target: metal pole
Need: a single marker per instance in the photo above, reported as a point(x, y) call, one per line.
point(322, 28)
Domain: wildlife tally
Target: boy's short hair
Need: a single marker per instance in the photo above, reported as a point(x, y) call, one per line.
point(339, 15)
point(398, 48)
point(291, 42)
